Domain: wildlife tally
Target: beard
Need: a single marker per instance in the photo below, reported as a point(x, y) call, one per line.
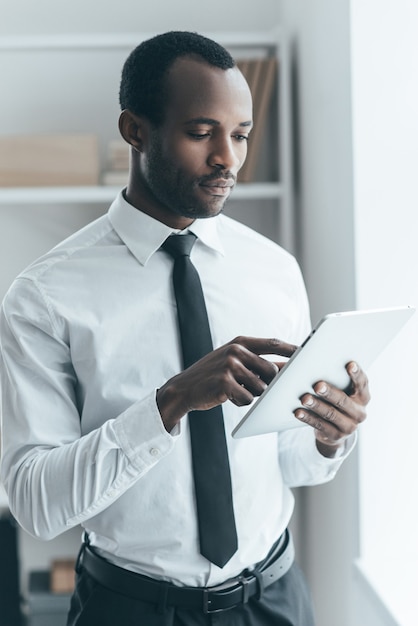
point(177, 190)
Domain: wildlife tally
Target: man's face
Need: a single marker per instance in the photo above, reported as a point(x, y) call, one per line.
point(190, 163)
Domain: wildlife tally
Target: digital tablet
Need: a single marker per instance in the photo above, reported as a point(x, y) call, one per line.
point(335, 341)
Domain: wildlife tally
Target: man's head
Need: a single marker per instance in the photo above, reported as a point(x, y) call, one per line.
point(187, 113)
point(143, 88)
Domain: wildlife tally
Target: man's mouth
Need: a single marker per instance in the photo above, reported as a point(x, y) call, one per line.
point(218, 187)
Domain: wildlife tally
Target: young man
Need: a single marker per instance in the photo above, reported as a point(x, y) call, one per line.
point(97, 408)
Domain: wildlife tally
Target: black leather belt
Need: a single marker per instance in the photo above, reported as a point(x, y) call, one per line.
point(208, 599)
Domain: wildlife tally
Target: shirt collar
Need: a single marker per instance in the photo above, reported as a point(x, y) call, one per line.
point(144, 235)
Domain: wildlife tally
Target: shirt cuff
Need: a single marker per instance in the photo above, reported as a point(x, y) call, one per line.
point(320, 468)
point(342, 452)
point(141, 433)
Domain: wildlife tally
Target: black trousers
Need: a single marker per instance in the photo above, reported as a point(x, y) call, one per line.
point(284, 603)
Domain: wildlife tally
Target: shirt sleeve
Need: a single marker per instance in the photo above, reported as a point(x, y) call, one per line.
point(54, 476)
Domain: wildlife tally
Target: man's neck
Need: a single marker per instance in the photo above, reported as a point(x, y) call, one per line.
point(140, 199)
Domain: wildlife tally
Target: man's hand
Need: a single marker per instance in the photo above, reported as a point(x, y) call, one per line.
point(333, 413)
point(234, 372)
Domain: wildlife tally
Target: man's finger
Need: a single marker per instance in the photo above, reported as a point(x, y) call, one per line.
point(265, 346)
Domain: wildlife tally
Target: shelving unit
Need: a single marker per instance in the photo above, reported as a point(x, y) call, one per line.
point(89, 70)
point(86, 101)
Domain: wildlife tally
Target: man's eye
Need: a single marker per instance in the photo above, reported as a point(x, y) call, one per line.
point(199, 135)
point(242, 137)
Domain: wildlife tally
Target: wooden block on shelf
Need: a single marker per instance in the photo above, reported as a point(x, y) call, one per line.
point(62, 577)
point(261, 76)
point(49, 160)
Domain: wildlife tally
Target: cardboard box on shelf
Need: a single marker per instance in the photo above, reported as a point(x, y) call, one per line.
point(49, 160)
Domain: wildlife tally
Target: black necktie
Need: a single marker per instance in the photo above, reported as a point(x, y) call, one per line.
point(212, 478)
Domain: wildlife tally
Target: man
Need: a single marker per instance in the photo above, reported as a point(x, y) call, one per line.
point(97, 407)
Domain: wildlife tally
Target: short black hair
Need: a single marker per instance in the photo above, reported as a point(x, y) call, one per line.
point(142, 87)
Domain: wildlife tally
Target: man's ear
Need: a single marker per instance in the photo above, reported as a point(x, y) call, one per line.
point(133, 129)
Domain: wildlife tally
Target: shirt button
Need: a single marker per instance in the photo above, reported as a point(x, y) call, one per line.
point(154, 452)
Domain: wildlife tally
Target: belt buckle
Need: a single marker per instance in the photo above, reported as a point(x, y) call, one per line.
point(242, 581)
point(207, 602)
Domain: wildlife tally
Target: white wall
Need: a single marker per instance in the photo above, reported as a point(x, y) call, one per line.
point(385, 132)
point(319, 36)
point(319, 33)
point(92, 16)
point(357, 140)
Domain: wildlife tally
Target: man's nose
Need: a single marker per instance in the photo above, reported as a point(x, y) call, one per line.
point(224, 155)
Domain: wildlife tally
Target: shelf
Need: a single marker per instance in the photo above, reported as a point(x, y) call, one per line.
point(83, 51)
point(102, 195)
point(123, 40)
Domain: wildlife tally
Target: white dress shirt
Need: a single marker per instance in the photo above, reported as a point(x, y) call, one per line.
point(88, 333)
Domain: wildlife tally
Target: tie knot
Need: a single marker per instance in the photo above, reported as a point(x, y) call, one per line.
point(179, 245)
